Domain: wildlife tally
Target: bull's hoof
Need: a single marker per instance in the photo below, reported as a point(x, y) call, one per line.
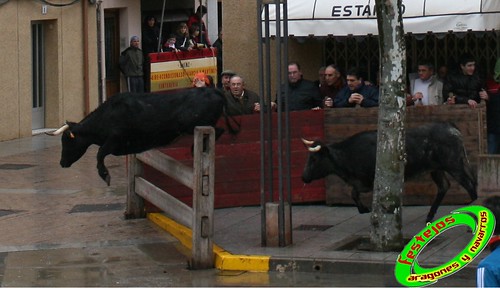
point(429, 219)
point(363, 210)
point(106, 178)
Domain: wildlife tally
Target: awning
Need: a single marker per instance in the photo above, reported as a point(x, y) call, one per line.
point(358, 17)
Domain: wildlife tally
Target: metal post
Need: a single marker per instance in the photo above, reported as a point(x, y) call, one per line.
point(279, 212)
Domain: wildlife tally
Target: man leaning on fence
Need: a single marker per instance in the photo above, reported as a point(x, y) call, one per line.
point(425, 88)
point(356, 93)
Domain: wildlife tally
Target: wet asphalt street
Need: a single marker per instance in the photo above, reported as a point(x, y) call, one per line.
point(66, 228)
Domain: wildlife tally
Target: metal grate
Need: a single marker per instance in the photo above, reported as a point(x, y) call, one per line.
point(313, 227)
point(11, 166)
point(86, 208)
point(440, 49)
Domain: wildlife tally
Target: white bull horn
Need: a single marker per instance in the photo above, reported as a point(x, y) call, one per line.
point(307, 142)
point(315, 148)
point(58, 131)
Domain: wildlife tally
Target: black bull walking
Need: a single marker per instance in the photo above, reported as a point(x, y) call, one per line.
point(436, 148)
point(132, 123)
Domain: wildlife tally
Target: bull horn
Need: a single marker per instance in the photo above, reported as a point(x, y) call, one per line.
point(314, 149)
point(58, 131)
point(307, 142)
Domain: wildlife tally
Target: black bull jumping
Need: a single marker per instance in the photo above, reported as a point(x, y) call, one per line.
point(132, 123)
point(436, 148)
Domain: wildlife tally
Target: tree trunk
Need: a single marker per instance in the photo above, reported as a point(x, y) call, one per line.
point(386, 217)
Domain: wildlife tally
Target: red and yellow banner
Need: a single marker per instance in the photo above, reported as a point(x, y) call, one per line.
point(170, 73)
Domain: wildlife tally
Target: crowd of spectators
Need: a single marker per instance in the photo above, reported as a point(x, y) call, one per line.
point(450, 85)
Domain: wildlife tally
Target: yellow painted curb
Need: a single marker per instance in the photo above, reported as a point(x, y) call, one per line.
point(223, 259)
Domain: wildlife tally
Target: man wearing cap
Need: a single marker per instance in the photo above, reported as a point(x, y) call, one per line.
point(131, 65)
point(225, 77)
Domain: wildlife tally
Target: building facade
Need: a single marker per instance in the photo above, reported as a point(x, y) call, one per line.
point(60, 57)
point(49, 68)
point(314, 51)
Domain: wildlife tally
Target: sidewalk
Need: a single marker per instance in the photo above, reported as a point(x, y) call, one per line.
point(46, 207)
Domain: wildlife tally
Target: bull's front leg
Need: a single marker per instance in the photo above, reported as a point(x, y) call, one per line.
point(355, 196)
point(101, 168)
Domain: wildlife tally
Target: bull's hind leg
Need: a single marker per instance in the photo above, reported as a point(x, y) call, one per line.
point(466, 178)
point(218, 132)
point(355, 196)
point(443, 184)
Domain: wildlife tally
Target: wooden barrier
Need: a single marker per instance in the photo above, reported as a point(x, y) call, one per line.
point(341, 123)
point(237, 163)
point(488, 176)
point(200, 179)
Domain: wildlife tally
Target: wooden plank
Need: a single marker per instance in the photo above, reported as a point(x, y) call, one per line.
point(489, 175)
point(174, 208)
point(203, 198)
point(135, 204)
point(168, 166)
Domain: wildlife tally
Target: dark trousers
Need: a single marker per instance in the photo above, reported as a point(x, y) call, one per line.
point(135, 84)
point(493, 143)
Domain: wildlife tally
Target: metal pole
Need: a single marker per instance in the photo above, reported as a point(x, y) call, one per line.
point(161, 26)
point(280, 212)
point(262, 132)
point(279, 76)
point(287, 122)
point(269, 115)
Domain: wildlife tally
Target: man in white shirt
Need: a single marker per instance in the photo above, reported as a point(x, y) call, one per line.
point(425, 88)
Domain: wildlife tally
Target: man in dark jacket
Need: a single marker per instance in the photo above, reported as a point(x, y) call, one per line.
point(131, 63)
point(150, 41)
point(302, 94)
point(241, 101)
point(464, 86)
point(356, 93)
point(331, 86)
point(493, 111)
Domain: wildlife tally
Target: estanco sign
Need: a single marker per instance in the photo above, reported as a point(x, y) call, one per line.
point(358, 17)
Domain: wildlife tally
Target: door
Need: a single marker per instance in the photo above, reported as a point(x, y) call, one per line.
point(38, 76)
point(112, 51)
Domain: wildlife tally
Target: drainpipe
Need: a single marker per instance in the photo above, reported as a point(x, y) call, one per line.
point(86, 84)
point(100, 48)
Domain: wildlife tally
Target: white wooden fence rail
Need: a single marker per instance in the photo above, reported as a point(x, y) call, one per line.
point(200, 178)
